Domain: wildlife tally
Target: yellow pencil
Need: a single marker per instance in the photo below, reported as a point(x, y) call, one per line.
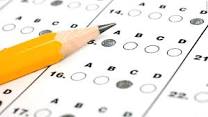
point(43, 51)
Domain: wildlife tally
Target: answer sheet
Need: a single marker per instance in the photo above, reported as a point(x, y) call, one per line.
point(153, 63)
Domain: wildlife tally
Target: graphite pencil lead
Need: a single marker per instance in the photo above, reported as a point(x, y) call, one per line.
point(103, 28)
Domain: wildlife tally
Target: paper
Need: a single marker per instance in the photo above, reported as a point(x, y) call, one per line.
point(153, 63)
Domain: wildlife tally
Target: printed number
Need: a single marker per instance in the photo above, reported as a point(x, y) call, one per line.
point(179, 95)
point(113, 11)
point(91, 42)
point(201, 58)
point(21, 111)
point(57, 74)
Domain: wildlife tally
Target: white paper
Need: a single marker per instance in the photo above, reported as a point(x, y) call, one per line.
point(153, 63)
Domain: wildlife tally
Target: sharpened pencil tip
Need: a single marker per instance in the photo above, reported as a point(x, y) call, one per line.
point(103, 28)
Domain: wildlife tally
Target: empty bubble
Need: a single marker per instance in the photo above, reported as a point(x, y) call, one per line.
point(197, 21)
point(56, 2)
point(43, 113)
point(130, 45)
point(8, 27)
point(155, 15)
point(108, 42)
point(38, 1)
point(44, 32)
point(78, 76)
point(74, 4)
point(174, 52)
point(148, 88)
point(92, 7)
point(27, 30)
point(152, 49)
point(100, 80)
point(201, 97)
point(124, 84)
point(175, 18)
point(134, 12)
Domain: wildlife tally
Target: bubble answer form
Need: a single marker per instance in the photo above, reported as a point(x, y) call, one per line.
point(153, 63)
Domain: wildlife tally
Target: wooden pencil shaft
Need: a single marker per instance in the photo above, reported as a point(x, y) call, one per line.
point(43, 51)
point(74, 40)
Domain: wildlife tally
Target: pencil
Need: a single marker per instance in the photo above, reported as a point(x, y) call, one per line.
point(45, 50)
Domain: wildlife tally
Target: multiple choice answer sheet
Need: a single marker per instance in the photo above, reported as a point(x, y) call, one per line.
point(153, 63)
